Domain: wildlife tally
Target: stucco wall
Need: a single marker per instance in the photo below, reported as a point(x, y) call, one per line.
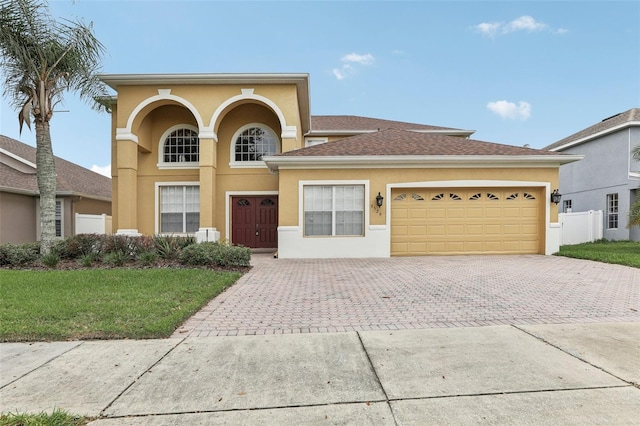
point(155, 119)
point(605, 169)
point(17, 218)
point(376, 241)
point(379, 178)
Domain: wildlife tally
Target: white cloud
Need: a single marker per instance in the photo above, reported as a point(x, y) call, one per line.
point(348, 61)
point(488, 28)
point(510, 110)
point(103, 170)
point(523, 23)
point(366, 59)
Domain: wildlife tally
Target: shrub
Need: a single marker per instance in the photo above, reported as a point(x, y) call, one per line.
point(123, 244)
point(51, 259)
point(78, 245)
point(19, 254)
point(115, 258)
point(87, 260)
point(215, 254)
point(199, 254)
point(148, 258)
point(169, 247)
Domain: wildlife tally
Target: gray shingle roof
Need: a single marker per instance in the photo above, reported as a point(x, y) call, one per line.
point(632, 115)
point(72, 178)
point(395, 142)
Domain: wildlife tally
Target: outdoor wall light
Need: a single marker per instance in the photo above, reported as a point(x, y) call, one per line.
point(379, 200)
point(555, 196)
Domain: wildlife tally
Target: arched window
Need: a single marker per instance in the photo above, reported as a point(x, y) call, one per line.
point(180, 144)
point(252, 142)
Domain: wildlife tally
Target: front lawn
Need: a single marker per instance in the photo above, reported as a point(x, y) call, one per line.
point(620, 252)
point(41, 305)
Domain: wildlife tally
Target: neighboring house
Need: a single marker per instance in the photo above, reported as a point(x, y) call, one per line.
point(239, 157)
point(608, 178)
point(79, 190)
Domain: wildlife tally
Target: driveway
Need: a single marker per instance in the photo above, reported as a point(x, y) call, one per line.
point(288, 296)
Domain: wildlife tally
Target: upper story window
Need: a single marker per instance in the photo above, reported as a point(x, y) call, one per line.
point(180, 147)
point(251, 143)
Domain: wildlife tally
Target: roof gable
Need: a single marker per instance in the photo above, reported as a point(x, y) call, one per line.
point(71, 179)
point(616, 122)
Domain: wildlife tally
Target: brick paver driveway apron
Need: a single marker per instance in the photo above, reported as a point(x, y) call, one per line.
point(326, 295)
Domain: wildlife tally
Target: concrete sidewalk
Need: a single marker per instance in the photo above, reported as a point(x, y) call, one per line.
point(527, 374)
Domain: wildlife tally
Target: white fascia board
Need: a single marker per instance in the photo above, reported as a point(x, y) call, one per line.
point(18, 191)
point(115, 80)
point(18, 158)
point(420, 161)
point(596, 135)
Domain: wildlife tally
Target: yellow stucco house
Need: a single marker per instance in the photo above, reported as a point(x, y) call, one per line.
point(239, 157)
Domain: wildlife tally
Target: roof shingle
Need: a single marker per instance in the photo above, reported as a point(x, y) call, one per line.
point(632, 115)
point(72, 178)
point(348, 123)
point(394, 142)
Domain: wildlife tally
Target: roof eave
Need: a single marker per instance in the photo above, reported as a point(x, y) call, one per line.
point(599, 134)
point(301, 80)
point(419, 161)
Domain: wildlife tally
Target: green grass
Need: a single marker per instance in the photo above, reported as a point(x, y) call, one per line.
point(619, 252)
point(57, 418)
point(103, 303)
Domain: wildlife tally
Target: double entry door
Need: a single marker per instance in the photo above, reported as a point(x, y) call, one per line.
point(254, 221)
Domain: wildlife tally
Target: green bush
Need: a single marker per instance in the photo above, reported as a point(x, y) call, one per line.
point(87, 260)
point(148, 258)
point(50, 260)
point(78, 245)
point(169, 247)
point(214, 254)
point(19, 254)
point(115, 258)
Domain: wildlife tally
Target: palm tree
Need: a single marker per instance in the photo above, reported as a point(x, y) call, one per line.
point(634, 211)
point(42, 59)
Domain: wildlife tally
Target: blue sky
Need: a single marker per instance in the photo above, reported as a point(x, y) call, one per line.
point(516, 72)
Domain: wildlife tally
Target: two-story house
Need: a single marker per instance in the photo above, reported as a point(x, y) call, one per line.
point(608, 177)
point(239, 157)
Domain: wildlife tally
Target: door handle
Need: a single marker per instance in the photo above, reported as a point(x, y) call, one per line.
point(257, 232)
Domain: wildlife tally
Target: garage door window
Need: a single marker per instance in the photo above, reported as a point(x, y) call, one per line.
point(333, 210)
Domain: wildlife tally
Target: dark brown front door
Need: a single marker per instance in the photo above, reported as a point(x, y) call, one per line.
point(254, 221)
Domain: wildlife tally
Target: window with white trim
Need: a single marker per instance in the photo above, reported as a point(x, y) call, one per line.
point(612, 211)
point(180, 146)
point(252, 142)
point(333, 210)
point(567, 206)
point(179, 209)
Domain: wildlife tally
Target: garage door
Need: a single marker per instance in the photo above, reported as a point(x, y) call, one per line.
point(466, 221)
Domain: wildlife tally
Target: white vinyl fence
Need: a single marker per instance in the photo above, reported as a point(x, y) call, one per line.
point(581, 227)
point(93, 224)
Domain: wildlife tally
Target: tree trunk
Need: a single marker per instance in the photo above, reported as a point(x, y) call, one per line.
point(46, 174)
